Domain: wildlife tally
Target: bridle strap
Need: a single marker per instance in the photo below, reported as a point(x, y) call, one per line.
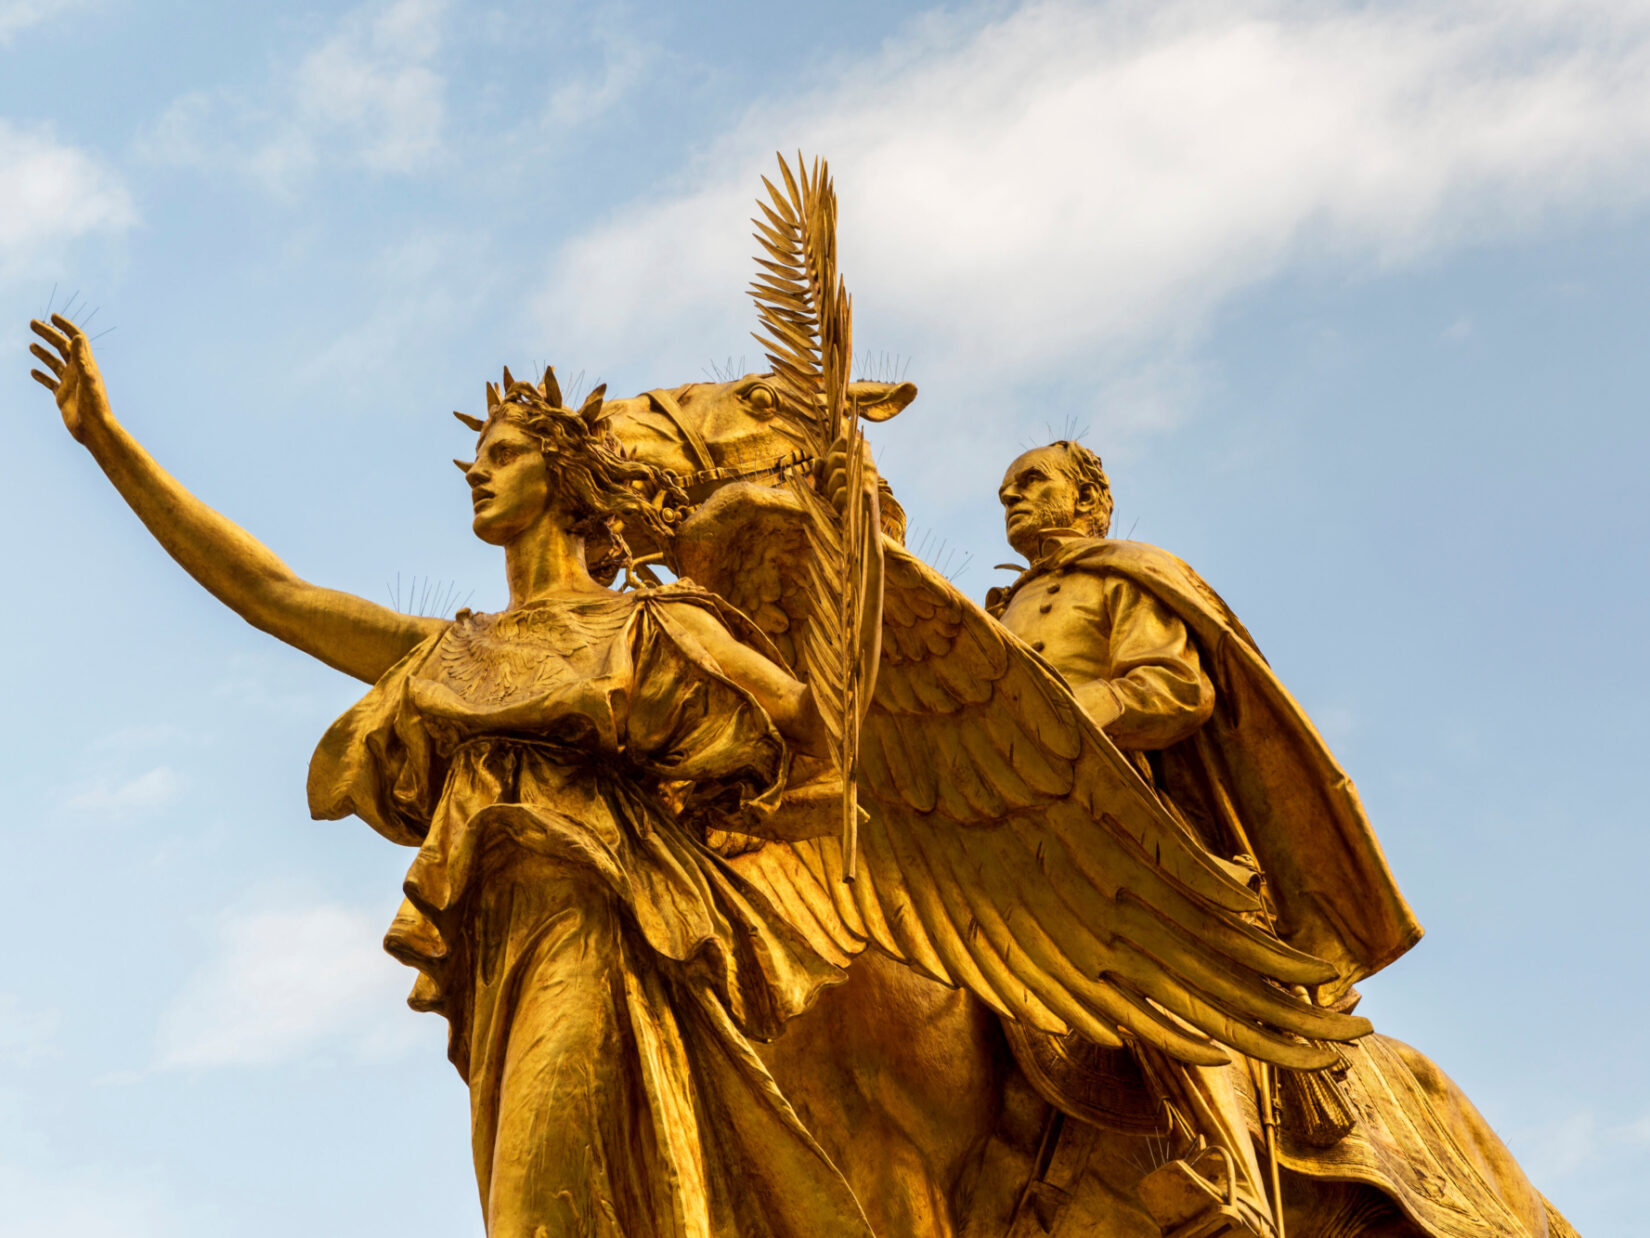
point(665, 401)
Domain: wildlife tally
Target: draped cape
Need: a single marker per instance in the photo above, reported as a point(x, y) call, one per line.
point(1260, 759)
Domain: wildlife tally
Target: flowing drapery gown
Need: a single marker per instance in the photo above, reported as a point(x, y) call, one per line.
point(601, 970)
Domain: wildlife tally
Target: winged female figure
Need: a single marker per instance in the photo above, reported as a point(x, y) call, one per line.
point(558, 767)
point(555, 766)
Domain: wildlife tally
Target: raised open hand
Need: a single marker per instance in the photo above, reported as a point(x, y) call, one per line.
point(73, 376)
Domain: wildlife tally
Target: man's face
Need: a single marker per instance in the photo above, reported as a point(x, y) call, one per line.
point(1037, 496)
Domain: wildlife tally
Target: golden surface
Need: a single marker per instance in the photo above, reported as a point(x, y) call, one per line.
point(805, 897)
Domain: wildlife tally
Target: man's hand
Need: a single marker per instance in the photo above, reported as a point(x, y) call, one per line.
point(74, 378)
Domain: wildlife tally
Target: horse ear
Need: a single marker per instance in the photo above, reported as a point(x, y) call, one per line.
point(475, 423)
point(492, 395)
point(550, 387)
point(591, 410)
point(880, 401)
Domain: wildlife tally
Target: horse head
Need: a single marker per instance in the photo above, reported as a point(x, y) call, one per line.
point(710, 434)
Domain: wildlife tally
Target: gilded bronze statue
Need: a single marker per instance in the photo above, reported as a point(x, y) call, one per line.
point(803, 896)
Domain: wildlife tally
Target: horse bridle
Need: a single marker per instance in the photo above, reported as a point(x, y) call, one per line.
point(699, 452)
point(667, 404)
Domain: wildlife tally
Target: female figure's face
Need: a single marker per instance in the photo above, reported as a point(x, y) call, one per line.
point(509, 483)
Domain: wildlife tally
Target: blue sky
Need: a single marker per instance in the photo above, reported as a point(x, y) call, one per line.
point(1351, 299)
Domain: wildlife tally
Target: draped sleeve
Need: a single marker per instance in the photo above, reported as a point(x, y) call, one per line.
point(378, 763)
point(1157, 689)
point(685, 721)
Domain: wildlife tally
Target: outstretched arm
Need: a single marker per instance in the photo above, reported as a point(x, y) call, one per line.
point(348, 633)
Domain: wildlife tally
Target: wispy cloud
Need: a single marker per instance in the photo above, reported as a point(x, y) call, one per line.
point(367, 95)
point(282, 982)
point(427, 283)
point(148, 791)
point(1051, 185)
point(1339, 723)
point(17, 16)
point(141, 736)
point(580, 99)
point(1458, 332)
point(54, 193)
point(27, 1033)
point(80, 1203)
point(1584, 1141)
point(371, 84)
point(1563, 1147)
point(263, 680)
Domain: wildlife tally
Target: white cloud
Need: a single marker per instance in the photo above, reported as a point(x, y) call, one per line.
point(1562, 1148)
point(426, 283)
point(51, 193)
point(283, 982)
point(148, 791)
point(17, 16)
point(143, 735)
point(1337, 722)
point(1067, 181)
point(79, 1203)
point(27, 1034)
point(187, 133)
point(1458, 332)
point(372, 84)
point(581, 99)
point(367, 95)
point(263, 680)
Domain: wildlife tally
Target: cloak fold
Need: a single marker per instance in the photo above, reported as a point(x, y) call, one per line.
point(1259, 771)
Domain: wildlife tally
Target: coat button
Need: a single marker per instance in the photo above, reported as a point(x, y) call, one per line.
point(1037, 645)
point(1045, 608)
point(1054, 588)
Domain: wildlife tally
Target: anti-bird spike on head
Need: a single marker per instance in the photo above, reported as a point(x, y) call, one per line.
point(474, 423)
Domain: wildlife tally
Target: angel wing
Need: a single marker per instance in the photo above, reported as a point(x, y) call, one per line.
point(1010, 848)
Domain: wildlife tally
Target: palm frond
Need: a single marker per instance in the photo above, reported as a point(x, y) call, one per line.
point(806, 319)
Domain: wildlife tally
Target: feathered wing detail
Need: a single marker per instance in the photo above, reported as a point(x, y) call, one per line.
point(489, 659)
point(751, 540)
point(1010, 848)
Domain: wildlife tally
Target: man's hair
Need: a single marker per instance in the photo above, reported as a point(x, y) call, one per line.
point(1083, 467)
